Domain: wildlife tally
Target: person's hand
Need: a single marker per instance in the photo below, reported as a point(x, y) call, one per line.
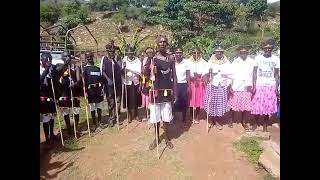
point(253, 91)
point(189, 91)
point(231, 92)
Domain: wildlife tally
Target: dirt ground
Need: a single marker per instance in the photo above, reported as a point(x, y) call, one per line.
point(124, 154)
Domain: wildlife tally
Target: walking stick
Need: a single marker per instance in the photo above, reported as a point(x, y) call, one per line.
point(154, 104)
point(209, 98)
point(194, 99)
point(115, 94)
point(57, 110)
point(85, 97)
point(72, 106)
point(126, 91)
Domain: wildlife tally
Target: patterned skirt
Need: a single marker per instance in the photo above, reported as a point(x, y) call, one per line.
point(196, 97)
point(241, 101)
point(217, 99)
point(264, 101)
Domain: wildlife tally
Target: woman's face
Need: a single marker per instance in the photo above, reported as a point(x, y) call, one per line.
point(195, 54)
point(219, 54)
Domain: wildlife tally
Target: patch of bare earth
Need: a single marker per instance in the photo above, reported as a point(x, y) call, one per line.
point(124, 155)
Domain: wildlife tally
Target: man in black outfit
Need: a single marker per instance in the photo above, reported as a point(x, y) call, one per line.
point(94, 88)
point(111, 59)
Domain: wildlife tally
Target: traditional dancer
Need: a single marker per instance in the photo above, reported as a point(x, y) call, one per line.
point(196, 98)
point(47, 106)
point(265, 85)
point(218, 89)
point(70, 80)
point(111, 72)
point(162, 74)
point(94, 88)
point(183, 84)
point(240, 99)
point(131, 67)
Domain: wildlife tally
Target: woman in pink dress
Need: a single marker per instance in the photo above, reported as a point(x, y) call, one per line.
point(196, 98)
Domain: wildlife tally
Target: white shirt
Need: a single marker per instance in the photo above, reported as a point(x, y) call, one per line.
point(133, 65)
point(222, 69)
point(197, 66)
point(242, 73)
point(181, 69)
point(265, 72)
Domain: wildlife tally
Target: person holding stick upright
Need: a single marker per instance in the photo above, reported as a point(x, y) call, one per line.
point(162, 73)
point(131, 67)
point(217, 90)
point(94, 88)
point(111, 72)
point(70, 81)
point(47, 105)
point(196, 97)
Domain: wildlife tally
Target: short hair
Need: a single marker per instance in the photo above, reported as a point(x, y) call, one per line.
point(46, 56)
point(178, 49)
point(88, 53)
point(130, 49)
point(162, 36)
point(268, 42)
point(148, 49)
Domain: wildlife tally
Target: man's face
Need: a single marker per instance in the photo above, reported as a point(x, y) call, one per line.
point(162, 43)
point(267, 50)
point(243, 54)
point(66, 57)
point(130, 55)
point(178, 55)
point(111, 53)
point(219, 54)
point(150, 53)
point(89, 58)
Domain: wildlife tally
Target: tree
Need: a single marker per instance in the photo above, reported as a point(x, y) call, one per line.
point(49, 11)
point(74, 13)
point(257, 8)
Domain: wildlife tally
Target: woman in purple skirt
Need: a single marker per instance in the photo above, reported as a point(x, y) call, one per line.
point(215, 103)
point(265, 85)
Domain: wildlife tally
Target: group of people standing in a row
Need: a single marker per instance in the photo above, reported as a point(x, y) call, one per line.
point(164, 82)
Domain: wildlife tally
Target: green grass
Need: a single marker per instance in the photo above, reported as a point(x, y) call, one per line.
point(250, 147)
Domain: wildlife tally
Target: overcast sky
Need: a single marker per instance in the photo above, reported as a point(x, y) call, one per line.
point(272, 1)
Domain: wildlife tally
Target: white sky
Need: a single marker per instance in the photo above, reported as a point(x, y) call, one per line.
point(272, 1)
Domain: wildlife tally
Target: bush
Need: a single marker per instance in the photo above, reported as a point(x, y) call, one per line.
point(49, 12)
point(74, 14)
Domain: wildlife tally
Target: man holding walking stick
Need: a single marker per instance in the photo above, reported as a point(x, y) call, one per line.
point(111, 72)
point(163, 76)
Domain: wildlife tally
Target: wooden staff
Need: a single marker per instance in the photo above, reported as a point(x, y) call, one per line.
point(209, 98)
point(85, 97)
point(194, 99)
point(115, 94)
point(72, 105)
point(154, 104)
point(126, 92)
point(57, 110)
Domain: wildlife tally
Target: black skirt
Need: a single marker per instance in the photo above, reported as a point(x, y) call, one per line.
point(95, 95)
point(182, 97)
point(66, 102)
point(134, 97)
point(47, 106)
